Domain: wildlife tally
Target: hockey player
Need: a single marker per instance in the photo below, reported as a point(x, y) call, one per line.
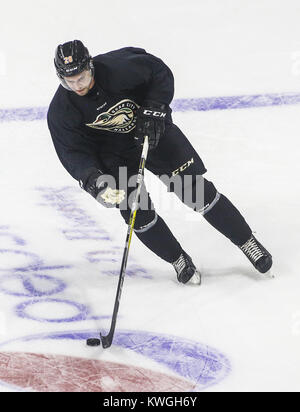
point(98, 119)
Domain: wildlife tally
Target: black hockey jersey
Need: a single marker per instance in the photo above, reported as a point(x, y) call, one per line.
point(84, 127)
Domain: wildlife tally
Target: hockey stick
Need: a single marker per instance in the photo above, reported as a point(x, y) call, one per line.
point(107, 340)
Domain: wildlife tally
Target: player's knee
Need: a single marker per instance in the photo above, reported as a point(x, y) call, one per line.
point(211, 197)
point(197, 193)
point(145, 219)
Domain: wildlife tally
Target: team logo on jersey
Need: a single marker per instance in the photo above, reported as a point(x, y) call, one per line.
point(121, 118)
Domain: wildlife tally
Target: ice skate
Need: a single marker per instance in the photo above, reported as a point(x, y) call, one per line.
point(260, 258)
point(187, 272)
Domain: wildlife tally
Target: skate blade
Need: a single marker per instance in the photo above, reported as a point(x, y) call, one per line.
point(195, 279)
point(269, 274)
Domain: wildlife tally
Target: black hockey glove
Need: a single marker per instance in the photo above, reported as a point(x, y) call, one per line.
point(150, 122)
point(102, 188)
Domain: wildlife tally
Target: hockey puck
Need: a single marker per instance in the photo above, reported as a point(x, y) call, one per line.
point(93, 342)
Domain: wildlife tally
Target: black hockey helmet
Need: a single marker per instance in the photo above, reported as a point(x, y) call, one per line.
point(72, 58)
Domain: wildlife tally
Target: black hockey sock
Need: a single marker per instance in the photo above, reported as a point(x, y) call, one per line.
point(161, 241)
point(225, 217)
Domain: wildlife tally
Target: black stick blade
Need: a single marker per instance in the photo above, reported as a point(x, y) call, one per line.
point(106, 341)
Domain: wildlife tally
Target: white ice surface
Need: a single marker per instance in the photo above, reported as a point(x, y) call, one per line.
point(215, 48)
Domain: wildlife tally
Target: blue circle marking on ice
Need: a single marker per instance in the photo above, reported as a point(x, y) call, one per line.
point(82, 311)
point(34, 260)
point(27, 281)
point(200, 364)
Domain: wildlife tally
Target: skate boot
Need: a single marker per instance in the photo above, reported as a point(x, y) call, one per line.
point(260, 258)
point(186, 270)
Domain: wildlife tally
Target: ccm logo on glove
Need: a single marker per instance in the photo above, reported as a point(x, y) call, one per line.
point(153, 113)
point(150, 122)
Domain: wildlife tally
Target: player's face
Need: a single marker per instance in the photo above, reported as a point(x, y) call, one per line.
point(81, 83)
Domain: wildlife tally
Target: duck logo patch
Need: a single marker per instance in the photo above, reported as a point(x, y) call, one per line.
point(121, 118)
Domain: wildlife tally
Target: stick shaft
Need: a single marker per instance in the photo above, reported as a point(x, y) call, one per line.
point(107, 340)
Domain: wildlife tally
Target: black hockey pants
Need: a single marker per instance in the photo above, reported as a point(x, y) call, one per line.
point(178, 165)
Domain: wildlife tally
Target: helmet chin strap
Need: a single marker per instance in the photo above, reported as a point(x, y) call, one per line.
point(92, 80)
